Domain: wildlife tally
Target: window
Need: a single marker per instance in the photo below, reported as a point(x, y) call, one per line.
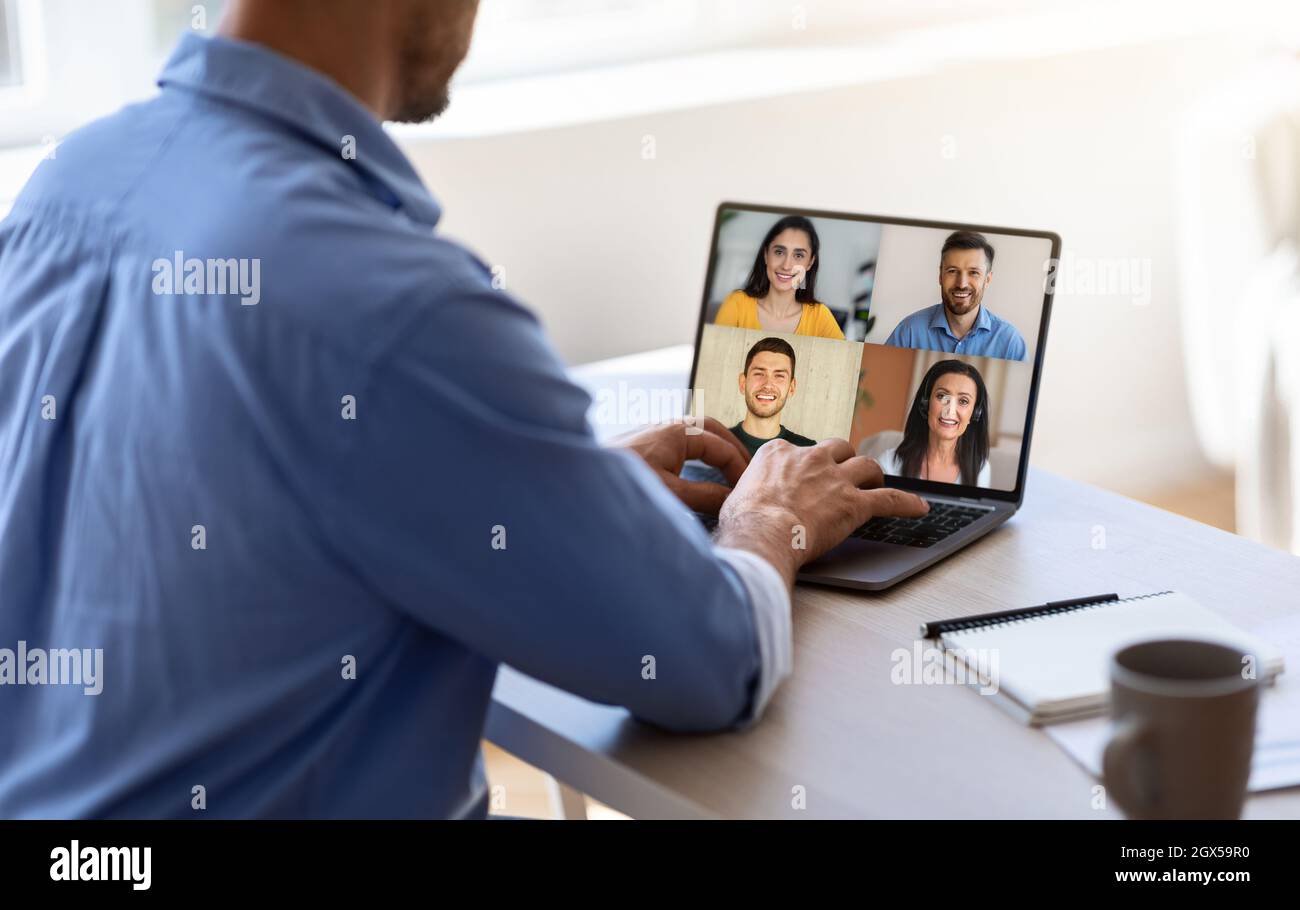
point(66, 62)
point(529, 37)
point(172, 17)
point(11, 61)
point(75, 60)
point(525, 37)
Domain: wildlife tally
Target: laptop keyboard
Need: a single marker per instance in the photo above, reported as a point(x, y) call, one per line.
point(943, 520)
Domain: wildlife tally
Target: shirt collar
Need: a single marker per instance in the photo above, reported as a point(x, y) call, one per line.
point(257, 78)
point(939, 320)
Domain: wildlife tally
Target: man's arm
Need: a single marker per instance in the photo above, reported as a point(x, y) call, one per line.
point(473, 497)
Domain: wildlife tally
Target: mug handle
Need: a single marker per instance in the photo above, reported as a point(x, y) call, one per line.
point(1120, 763)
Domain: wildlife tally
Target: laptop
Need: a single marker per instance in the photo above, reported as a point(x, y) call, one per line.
point(921, 342)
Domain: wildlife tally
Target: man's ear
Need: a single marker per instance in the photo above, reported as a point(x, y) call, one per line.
point(790, 394)
point(741, 384)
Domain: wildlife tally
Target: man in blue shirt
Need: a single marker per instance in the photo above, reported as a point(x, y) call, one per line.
point(961, 324)
point(293, 478)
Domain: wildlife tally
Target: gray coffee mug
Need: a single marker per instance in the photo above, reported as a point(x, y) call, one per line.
point(1183, 715)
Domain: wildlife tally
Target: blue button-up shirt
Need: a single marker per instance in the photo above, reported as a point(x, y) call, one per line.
point(286, 458)
point(990, 336)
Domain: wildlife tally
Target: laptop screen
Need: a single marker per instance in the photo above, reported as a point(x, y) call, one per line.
point(919, 342)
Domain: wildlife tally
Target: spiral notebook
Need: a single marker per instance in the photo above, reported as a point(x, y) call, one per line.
point(1050, 664)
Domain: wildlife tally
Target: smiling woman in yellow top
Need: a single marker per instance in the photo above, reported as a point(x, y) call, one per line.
point(779, 294)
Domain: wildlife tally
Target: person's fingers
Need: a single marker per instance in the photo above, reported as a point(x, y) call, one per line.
point(699, 495)
point(839, 448)
point(891, 502)
point(715, 427)
point(863, 471)
point(712, 449)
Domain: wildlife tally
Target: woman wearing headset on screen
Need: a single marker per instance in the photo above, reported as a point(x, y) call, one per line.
point(946, 438)
point(779, 295)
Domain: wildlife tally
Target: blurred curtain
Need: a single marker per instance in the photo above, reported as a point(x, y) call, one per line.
point(1239, 275)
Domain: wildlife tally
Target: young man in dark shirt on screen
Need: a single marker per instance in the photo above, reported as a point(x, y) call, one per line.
point(767, 383)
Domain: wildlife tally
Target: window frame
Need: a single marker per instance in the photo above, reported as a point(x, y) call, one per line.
point(24, 21)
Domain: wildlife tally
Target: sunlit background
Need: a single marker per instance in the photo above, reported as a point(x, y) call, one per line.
point(589, 142)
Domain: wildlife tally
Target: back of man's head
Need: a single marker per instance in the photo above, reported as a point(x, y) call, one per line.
point(396, 56)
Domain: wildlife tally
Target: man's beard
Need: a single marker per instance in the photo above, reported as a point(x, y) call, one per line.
point(417, 108)
point(952, 307)
point(754, 404)
point(424, 89)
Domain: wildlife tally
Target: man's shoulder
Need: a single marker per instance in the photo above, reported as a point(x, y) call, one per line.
point(919, 320)
point(330, 259)
point(912, 329)
point(795, 439)
point(101, 162)
point(1000, 324)
point(1008, 337)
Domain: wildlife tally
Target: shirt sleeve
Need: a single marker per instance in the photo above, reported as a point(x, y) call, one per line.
point(770, 599)
point(474, 498)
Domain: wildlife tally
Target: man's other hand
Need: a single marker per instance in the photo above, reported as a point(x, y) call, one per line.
point(667, 447)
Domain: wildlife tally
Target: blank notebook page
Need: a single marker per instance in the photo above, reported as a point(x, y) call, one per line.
point(1066, 656)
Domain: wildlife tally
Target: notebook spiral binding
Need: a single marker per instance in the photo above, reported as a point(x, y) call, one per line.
point(1035, 613)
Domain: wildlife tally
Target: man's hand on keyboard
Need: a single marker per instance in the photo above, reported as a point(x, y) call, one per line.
point(795, 503)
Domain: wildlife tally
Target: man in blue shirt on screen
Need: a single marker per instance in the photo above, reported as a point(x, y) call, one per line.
point(960, 323)
point(284, 478)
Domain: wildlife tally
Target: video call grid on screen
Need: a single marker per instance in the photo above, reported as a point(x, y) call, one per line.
point(893, 303)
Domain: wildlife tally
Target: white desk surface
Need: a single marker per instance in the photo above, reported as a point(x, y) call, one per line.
point(861, 746)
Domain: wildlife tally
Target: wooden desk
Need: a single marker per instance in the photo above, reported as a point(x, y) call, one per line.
point(861, 746)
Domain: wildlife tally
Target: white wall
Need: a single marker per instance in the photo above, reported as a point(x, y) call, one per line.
point(611, 248)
